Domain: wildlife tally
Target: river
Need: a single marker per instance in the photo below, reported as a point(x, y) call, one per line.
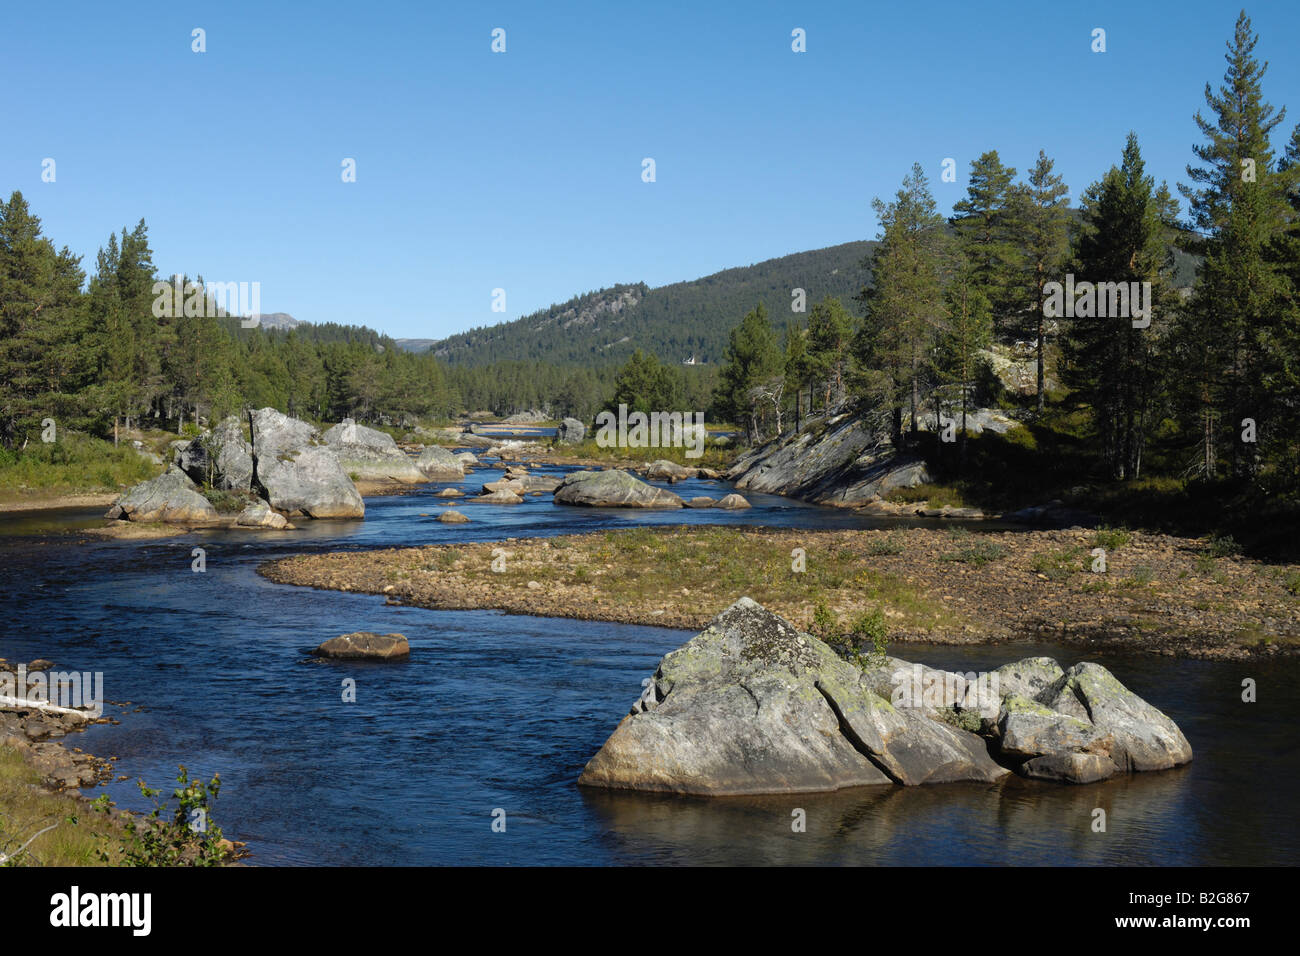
point(495, 711)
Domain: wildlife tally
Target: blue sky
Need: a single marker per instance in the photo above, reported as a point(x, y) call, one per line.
point(522, 170)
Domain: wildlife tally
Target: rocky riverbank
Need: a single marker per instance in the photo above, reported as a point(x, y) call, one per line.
point(1157, 594)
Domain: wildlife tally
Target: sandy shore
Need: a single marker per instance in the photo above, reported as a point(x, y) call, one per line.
point(46, 502)
point(1159, 593)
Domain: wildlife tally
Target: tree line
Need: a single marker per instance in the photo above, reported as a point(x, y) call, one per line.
point(1213, 369)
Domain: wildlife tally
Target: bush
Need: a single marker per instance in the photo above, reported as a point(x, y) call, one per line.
point(188, 838)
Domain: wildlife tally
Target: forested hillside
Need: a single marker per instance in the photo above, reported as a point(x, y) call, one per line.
point(675, 322)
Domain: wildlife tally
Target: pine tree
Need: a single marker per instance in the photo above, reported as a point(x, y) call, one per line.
point(1127, 226)
point(830, 339)
point(904, 304)
point(1238, 204)
point(983, 224)
point(969, 329)
point(752, 362)
point(1039, 223)
point(41, 320)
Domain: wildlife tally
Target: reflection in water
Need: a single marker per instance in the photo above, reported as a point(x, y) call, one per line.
point(494, 710)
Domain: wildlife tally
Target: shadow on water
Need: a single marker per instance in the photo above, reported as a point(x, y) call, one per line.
point(498, 711)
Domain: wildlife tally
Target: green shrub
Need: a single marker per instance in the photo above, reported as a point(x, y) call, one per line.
point(185, 836)
point(1112, 539)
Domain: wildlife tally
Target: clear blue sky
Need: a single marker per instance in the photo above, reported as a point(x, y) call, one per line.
point(523, 170)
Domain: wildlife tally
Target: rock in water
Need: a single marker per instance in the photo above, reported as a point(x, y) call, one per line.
point(260, 515)
point(171, 497)
point(1143, 738)
point(570, 431)
point(296, 472)
point(451, 516)
point(439, 464)
point(365, 645)
point(752, 705)
point(733, 502)
point(371, 454)
point(612, 489)
point(664, 470)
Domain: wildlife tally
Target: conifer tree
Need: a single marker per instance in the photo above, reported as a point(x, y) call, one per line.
point(1233, 337)
point(1127, 226)
point(904, 305)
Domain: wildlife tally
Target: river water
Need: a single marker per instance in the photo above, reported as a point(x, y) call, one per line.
point(501, 712)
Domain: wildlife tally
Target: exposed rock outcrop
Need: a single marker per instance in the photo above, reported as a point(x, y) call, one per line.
point(439, 464)
point(221, 457)
point(753, 705)
point(171, 497)
point(837, 461)
point(371, 455)
point(296, 472)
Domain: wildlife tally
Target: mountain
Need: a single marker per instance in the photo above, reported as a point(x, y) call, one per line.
point(687, 322)
point(678, 322)
point(277, 320)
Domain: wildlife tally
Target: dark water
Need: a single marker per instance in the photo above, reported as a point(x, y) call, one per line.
point(500, 711)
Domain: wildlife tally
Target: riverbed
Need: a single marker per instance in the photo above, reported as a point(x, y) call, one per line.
point(500, 712)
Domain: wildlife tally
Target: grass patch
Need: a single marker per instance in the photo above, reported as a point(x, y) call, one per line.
point(935, 495)
point(26, 808)
point(1112, 539)
point(75, 464)
point(1059, 563)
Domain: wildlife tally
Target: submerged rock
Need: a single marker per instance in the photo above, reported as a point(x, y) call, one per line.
point(753, 705)
point(612, 489)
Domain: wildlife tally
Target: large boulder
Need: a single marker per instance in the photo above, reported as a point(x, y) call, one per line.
point(1141, 737)
point(296, 472)
point(664, 470)
point(753, 705)
point(259, 515)
point(171, 497)
point(570, 431)
point(365, 645)
point(371, 454)
point(439, 464)
point(221, 457)
point(733, 502)
point(612, 489)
